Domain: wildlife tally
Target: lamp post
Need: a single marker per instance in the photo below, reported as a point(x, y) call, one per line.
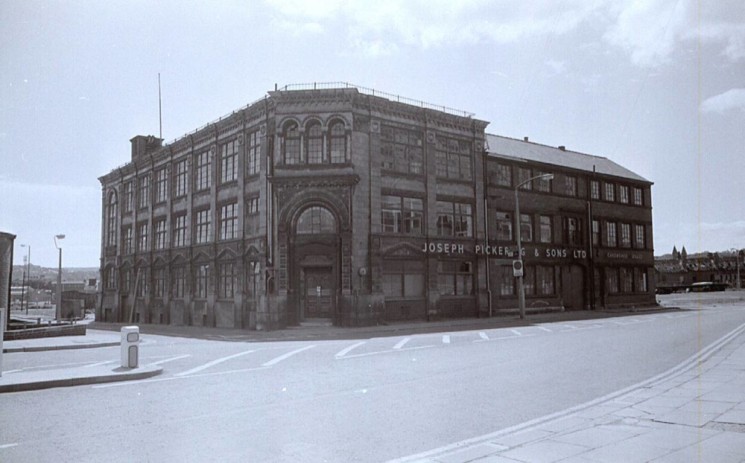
point(520, 285)
point(58, 309)
point(27, 274)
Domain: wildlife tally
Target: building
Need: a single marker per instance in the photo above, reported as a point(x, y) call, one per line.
point(343, 203)
point(678, 270)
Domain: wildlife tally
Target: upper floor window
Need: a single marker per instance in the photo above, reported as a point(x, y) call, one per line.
point(453, 158)
point(546, 229)
point(526, 227)
point(203, 172)
point(160, 234)
point(523, 175)
point(291, 143)
point(570, 185)
point(111, 229)
point(203, 227)
point(595, 233)
point(454, 219)
point(229, 161)
point(252, 154)
point(314, 143)
point(161, 185)
point(610, 192)
point(639, 238)
point(181, 183)
point(127, 240)
point(625, 235)
point(504, 175)
point(143, 198)
point(504, 226)
point(542, 184)
point(228, 226)
point(638, 198)
point(401, 150)
point(572, 231)
point(623, 194)
point(611, 235)
point(179, 230)
point(128, 196)
point(402, 214)
point(142, 232)
point(315, 220)
point(594, 189)
point(337, 142)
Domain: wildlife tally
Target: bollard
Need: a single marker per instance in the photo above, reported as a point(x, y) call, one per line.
point(130, 346)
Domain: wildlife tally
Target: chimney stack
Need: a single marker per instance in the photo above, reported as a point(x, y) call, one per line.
point(525, 139)
point(562, 147)
point(144, 144)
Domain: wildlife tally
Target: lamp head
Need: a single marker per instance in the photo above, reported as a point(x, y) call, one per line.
point(59, 237)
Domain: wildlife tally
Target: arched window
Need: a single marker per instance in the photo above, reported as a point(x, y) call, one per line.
point(111, 229)
point(314, 143)
point(315, 220)
point(337, 142)
point(291, 135)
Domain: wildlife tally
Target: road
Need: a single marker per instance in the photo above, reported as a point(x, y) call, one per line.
point(344, 400)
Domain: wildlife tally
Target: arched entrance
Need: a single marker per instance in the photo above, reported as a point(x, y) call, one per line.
point(315, 263)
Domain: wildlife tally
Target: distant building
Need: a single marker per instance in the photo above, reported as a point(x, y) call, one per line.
point(680, 269)
point(346, 204)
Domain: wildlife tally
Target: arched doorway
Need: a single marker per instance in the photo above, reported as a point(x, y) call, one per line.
point(315, 272)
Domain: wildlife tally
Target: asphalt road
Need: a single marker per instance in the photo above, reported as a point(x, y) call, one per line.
point(344, 400)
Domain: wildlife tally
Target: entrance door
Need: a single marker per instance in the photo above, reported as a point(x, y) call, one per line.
point(573, 287)
point(319, 291)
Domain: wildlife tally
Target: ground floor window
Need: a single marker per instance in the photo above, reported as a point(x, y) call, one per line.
point(455, 278)
point(179, 282)
point(403, 279)
point(611, 280)
point(626, 279)
point(506, 281)
point(226, 280)
point(159, 282)
point(200, 281)
point(253, 279)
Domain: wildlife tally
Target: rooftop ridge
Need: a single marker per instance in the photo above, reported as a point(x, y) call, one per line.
point(549, 146)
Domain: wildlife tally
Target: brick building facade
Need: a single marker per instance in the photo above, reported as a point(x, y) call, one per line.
point(341, 203)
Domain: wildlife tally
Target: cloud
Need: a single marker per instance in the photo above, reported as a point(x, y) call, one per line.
point(732, 99)
point(558, 67)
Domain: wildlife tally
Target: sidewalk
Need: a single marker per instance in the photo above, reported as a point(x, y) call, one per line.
point(692, 413)
point(22, 380)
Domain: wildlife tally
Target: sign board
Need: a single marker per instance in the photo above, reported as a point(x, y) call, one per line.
point(517, 268)
point(318, 290)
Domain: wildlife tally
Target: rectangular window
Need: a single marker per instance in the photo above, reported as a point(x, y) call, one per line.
point(639, 239)
point(504, 226)
point(143, 197)
point(611, 235)
point(253, 279)
point(506, 281)
point(545, 280)
point(201, 278)
point(638, 197)
point(228, 221)
point(111, 278)
point(546, 229)
point(453, 158)
point(570, 185)
point(595, 233)
point(161, 185)
point(626, 280)
point(455, 278)
point(610, 192)
point(252, 155)
point(126, 277)
point(142, 237)
point(252, 206)
point(203, 171)
point(127, 240)
point(640, 280)
point(611, 280)
point(226, 280)
point(526, 228)
point(594, 189)
point(229, 161)
point(523, 175)
point(179, 282)
point(504, 175)
point(529, 280)
point(181, 179)
point(160, 234)
point(401, 150)
point(403, 279)
point(402, 214)
point(142, 281)
point(159, 282)
point(203, 227)
point(623, 194)
point(128, 197)
point(454, 219)
point(625, 235)
point(542, 184)
point(572, 231)
point(179, 230)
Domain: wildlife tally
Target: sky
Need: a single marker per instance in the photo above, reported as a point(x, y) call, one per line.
point(657, 86)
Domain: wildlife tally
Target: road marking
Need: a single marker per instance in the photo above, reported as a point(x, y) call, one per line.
point(401, 343)
point(544, 329)
point(389, 351)
point(483, 336)
point(7, 446)
point(172, 378)
point(346, 350)
point(213, 363)
point(517, 333)
point(446, 339)
point(13, 371)
point(171, 359)
point(275, 361)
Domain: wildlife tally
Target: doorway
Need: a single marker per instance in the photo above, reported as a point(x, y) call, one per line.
point(319, 292)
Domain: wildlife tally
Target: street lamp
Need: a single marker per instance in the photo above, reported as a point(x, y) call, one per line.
point(58, 311)
point(520, 285)
point(27, 275)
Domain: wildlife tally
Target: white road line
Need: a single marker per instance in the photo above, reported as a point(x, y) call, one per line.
point(446, 339)
point(172, 378)
point(389, 351)
point(401, 343)
point(275, 361)
point(544, 329)
point(171, 359)
point(483, 336)
point(346, 350)
point(213, 363)
point(7, 446)
point(13, 371)
point(517, 333)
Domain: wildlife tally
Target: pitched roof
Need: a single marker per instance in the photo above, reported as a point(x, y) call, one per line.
point(497, 145)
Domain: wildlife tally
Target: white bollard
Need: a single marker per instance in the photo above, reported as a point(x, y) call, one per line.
point(130, 346)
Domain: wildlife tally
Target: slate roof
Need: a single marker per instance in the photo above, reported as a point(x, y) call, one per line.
point(497, 145)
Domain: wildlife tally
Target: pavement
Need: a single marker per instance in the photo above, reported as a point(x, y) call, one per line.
point(694, 412)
